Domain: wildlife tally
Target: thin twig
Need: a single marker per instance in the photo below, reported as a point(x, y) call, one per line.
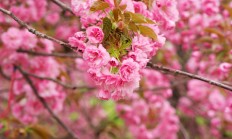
point(41, 99)
point(160, 88)
point(63, 6)
point(186, 74)
point(4, 75)
point(4, 90)
point(57, 81)
point(34, 31)
point(62, 55)
point(184, 131)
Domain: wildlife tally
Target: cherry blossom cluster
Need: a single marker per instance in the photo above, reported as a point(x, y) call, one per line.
point(115, 55)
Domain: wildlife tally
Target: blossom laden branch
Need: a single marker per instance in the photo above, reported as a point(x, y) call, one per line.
point(63, 6)
point(190, 75)
point(34, 31)
point(184, 131)
point(153, 66)
point(41, 99)
point(4, 90)
point(161, 88)
point(57, 81)
point(62, 55)
point(4, 75)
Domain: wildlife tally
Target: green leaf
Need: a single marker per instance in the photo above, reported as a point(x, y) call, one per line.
point(117, 3)
point(123, 52)
point(133, 27)
point(215, 31)
point(228, 8)
point(140, 19)
point(116, 14)
point(99, 5)
point(125, 42)
point(109, 107)
point(73, 116)
point(126, 18)
point(228, 133)
point(114, 70)
point(122, 7)
point(148, 3)
point(114, 52)
point(41, 131)
point(107, 27)
point(204, 39)
point(200, 120)
point(148, 32)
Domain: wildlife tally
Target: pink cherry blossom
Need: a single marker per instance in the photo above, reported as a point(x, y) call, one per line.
point(96, 57)
point(94, 34)
point(129, 70)
point(12, 39)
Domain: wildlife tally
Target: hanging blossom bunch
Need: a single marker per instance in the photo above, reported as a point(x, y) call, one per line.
point(120, 37)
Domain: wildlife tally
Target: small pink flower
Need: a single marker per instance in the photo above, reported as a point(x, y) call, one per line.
point(113, 62)
point(129, 70)
point(29, 39)
point(95, 75)
point(96, 57)
point(48, 45)
point(95, 34)
point(77, 43)
point(52, 18)
point(117, 95)
point(12, 38)
point(104, 94)
point(140, 7)
point(78, 6)
point(112, 81)
point(80, 36)
point(225, 67)
point(78, 40)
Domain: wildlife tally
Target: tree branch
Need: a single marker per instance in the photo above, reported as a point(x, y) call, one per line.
point(34, 31)
point(56, 81)
point(63, 6)
point(4, 75)
point(41, 99)
point(184, 131)
point(62, 55)
point(186, 74)
point(4, 90)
